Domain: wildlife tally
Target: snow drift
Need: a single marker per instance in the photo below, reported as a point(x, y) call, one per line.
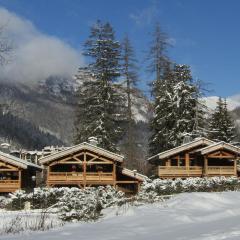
point(189, 216)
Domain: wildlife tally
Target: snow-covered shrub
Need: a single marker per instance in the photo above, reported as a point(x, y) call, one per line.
point(39, 198)
point(86, 204)
point(3, 202)
point(17, 200)
point(71, 203)
point(46, 197)
point(154, 190)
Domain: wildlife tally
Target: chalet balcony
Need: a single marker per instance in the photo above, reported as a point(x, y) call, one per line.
point(79, 177)
point(221, 170)
point(175, 171)
point(9, 185)
point(195, 171)
point(65, 176)
point(99, 176)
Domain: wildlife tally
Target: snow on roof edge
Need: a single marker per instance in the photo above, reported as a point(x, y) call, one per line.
point(20, 162)
point(61, 153)
point(181, 148)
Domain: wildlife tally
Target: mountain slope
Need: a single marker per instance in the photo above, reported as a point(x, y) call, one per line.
point(50, 105)
point(33, 104)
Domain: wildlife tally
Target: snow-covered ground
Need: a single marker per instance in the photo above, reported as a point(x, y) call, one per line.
point(192, 216)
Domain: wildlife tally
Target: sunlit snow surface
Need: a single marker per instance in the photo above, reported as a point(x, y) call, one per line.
point(208, 216)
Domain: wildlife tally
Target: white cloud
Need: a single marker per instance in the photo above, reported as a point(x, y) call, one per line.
point(145, 16)
point(232, 102)
point(35, 55)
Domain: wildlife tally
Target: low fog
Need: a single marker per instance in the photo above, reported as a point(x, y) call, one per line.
point(35, 55)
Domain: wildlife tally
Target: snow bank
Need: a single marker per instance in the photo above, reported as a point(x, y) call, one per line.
point(187, 216)
point(153, 191)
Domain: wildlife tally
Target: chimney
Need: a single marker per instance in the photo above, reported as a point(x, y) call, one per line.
point(187, 138)
point(93, 141)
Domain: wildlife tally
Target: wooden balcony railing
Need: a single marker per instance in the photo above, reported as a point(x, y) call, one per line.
point(65, 176)
point(100, 176)
point(179, 171)
point(9, 185)
point(224, 170)
point(192, 171)
point(79, 176)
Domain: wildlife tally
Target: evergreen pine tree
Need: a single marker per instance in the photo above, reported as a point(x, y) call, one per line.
point(215, 121)
point(101, 107)
point(186, 105)
point(129, 73)
point(163, 117)
point(175, 108)
point(221, 127)
point(228, 124)
point(159, 65)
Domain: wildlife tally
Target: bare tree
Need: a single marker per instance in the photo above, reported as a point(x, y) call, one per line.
point(157, 54)
point(130, 78)
point(5, 46)
point(5, 49)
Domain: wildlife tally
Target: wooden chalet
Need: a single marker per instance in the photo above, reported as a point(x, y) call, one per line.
point(88, 165)
point(198, 158)
point(16, 173)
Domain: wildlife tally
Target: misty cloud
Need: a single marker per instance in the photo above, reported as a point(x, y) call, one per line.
point(35, 55)
point(145, 16)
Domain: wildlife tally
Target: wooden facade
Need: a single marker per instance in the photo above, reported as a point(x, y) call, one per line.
point(88, 165)
point(199, 158)
point(15, 173)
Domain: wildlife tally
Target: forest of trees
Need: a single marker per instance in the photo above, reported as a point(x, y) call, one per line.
point(25, 134)
point(105, 99)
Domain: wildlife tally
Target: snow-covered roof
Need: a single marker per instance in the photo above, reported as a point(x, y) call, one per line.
point(219, 146)
point(134, 174)
point(17, 161)
point(195, 143)
point(5, 145)
point(79, 147)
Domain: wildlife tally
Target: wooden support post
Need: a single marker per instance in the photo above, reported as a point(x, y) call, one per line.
point(20, 178)
point(36, 159)
point(187, 161)
point(114, 174)
point(48, 173)
point(138, 187)
point(168, 162)
point(205, 165)
point(235, 166)
point(84, 169)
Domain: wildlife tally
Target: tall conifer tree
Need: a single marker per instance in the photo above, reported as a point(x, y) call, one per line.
point(221, 127)
point(175, 106)
point(163, 115)
point(100, 107)
point(130, 78)
point(159, 66)
point(186, 105)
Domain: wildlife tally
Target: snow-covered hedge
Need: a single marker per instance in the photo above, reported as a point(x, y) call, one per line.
point(70, 203)
point(87, 204)
point(39, 198)
point(154, 190)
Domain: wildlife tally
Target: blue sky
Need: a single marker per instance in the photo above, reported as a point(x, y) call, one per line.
point(205, 34)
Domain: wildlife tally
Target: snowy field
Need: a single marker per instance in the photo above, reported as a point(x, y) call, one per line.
point(195, 216)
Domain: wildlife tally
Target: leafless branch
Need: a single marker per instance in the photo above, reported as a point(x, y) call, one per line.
point(5, 46)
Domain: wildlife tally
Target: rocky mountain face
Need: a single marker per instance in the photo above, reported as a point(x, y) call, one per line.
point(44, 112)
point(48, 106)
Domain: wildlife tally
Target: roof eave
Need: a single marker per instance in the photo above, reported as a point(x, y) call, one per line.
point(76, 148)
